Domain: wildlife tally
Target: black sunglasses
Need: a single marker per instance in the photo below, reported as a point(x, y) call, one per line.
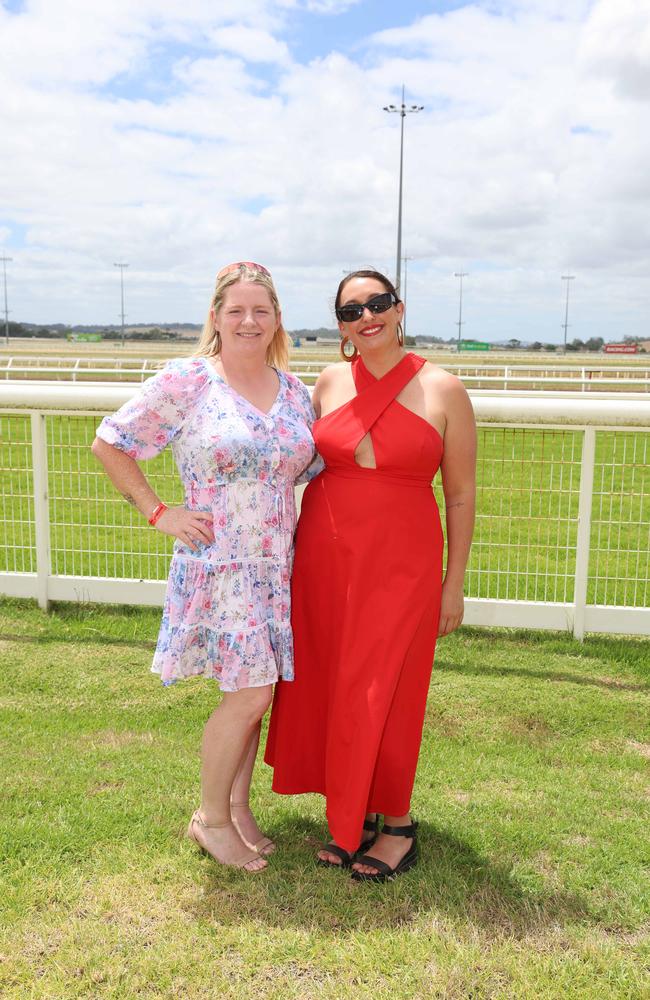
point(353, 311)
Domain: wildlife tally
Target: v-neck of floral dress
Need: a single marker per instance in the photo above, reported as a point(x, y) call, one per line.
point(227, 605)
point(212, 371)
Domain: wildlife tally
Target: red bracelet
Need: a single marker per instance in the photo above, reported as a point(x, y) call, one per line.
point(157, 512)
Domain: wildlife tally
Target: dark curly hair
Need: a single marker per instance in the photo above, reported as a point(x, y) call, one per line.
point(366, 273)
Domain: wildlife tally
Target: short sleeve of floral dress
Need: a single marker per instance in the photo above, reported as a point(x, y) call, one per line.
point(227, 605)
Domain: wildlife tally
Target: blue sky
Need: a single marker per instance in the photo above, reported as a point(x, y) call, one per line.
point(312, 36)
point(184, 135)
point(309, 35)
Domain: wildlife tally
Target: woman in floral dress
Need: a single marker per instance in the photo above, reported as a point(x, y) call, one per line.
point(239, 428)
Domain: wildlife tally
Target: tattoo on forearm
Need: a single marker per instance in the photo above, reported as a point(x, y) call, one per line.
point(459, 503)
point(129, 499)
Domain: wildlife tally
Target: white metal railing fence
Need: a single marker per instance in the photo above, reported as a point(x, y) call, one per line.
point(72, 369)
point(474, 374)
point(563, 524)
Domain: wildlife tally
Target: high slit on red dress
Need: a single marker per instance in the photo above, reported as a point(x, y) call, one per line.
point(366, 603)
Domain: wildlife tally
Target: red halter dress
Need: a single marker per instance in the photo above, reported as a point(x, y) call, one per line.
point(366, 603)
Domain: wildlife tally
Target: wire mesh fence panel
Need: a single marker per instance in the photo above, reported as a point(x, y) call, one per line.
point(527, 512)
point(93, 530)
point(17, 527)
point(620, 524)
point(528, 484)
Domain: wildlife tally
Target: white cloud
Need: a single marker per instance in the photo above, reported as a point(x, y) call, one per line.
point(251, 44)
point(329, 6)
point(530, 156)
point(616, 44)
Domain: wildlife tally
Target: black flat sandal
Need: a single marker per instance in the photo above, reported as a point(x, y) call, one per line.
point(347, 857)
point(384, 871)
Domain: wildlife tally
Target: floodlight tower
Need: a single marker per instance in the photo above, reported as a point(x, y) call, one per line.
point(568, 278)
point(121, 266)
point(402, 110)
point(406, 260)
point(461, 275)
point(5, 261)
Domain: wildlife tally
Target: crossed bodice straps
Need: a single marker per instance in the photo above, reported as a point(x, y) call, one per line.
point(350, 423)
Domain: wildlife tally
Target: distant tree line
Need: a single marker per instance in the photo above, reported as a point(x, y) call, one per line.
point(593, 344)
point(60, 332)
point(155, 333)
point(143, 332)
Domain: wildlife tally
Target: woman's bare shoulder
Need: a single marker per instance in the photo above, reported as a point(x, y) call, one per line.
point(335, 371)
point(441, 380)
point(329, 383)
point(333, 375)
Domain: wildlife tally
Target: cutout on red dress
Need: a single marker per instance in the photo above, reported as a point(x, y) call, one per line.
point(364, 453)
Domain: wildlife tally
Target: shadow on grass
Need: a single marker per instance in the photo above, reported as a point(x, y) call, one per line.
point(94, 639)
point(451, 880)
point(472, 669)
point(556, 676)
point(24, 621)
point(629, 652)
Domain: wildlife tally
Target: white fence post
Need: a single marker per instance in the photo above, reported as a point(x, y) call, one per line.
point(584, 531)
point(41, 509)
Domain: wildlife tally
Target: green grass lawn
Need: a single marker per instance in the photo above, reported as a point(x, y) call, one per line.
point(532, 795)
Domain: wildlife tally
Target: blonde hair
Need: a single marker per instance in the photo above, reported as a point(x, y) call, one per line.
point(277, 354)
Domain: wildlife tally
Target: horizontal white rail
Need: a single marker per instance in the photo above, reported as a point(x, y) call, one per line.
point(78, 363)
point(505, 381)
point(128, 362)
point(583, 378)
point(91, 366)
point(553, 409)
point(563, 526)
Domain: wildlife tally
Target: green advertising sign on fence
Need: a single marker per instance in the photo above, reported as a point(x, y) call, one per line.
point(473, 345)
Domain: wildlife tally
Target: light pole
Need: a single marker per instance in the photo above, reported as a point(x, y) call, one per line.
point(568, 278)
point(5, 261)
point(402, 110)
point(461, 275)
point(121, 266)
point(406, 278)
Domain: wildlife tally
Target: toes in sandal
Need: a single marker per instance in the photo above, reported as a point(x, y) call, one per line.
point(264, 847)
point(385, 872)
point(347, 857)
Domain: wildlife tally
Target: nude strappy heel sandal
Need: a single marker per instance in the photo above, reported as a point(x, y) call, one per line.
point(264, 845)
point(242, 862)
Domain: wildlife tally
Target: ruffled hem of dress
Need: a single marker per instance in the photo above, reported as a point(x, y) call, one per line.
point(238, 658)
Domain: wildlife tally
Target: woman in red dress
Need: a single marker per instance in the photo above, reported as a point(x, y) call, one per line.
point(368, 593)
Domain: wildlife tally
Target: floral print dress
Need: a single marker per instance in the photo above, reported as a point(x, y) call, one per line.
point(227, 606)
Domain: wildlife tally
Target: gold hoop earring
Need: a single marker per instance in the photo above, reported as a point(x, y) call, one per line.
point(347, 357)
point(400, 335)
